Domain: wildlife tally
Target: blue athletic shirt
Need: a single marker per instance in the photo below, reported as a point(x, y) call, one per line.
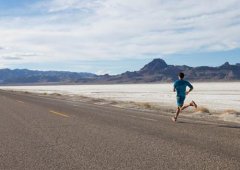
point(180, 86)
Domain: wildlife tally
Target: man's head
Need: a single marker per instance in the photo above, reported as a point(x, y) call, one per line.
point(181, 75)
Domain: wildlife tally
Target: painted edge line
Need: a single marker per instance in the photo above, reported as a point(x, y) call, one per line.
point(57, 113)
point(19, 101)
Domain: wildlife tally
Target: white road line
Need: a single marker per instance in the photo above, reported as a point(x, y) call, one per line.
point(19, 101)
point(58, 113)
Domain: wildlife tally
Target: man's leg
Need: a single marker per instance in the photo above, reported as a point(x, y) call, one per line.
point(190, 104)
point(179, 109)
point(193, 104)
point(180, 102)
point(177, 113)
point(185, 106)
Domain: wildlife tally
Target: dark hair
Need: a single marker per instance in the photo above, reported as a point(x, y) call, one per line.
point(181, 75)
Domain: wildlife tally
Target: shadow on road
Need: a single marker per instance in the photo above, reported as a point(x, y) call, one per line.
point(209, 124)
point(194, 123)
point(229, 126)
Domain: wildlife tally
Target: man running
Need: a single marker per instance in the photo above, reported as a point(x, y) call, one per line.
point(180, 86)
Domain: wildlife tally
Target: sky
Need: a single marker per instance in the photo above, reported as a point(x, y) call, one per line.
point(113, 36)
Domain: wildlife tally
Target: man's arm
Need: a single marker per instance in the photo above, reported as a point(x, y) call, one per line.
point(189, 91)
point(191, 88)
point(174, 87)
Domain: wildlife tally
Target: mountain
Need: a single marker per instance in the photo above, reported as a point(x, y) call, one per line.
point(159, 71)
point(157, 65)
point(155, 71)
point(19, 76)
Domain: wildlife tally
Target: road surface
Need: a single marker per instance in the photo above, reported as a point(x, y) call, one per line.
point(45, 133)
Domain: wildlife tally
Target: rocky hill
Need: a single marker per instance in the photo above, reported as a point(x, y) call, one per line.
point(159, 71)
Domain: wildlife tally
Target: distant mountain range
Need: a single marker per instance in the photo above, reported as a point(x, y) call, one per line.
point(159, 71)
point(156, 71)
point(21, 76)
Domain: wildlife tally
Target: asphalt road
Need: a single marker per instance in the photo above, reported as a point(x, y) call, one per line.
point(44, 133)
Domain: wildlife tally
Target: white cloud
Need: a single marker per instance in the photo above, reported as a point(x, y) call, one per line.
point(107, 29)
point(102, 72)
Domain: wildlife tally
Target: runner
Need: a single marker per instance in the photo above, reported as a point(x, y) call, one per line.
point(180, 87)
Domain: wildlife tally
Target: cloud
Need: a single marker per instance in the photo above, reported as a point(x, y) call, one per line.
point(2, 48)
point(102, 72)
point(11, 58)
point(112, 30)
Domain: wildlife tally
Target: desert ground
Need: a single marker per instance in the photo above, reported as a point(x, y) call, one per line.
point(215, 100)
